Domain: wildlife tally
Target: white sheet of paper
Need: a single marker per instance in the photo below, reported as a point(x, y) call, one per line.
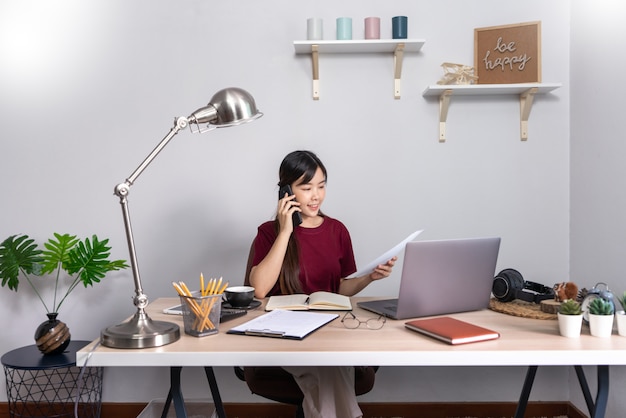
point(294, 324)
point(383, 258)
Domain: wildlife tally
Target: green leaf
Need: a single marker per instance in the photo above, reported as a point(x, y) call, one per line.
point(57, 251)
point(570, 307)
point(601, 306)
point(18, 253)
point(90, 258)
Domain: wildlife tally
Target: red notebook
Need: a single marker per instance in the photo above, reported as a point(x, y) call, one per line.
point(451, 330)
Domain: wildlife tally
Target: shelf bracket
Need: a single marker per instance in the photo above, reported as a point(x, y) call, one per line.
point(398, 55)
point(315, 58)
point(444, 103)
point(525, 104)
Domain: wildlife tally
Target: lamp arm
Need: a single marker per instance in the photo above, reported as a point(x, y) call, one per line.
point(121, 190)
point(180, 124)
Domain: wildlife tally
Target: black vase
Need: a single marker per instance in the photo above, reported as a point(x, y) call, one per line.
point(52, 336)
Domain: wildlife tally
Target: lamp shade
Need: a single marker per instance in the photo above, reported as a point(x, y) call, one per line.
point(228, 107)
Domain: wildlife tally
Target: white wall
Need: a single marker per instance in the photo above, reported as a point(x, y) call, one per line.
point(89, 88)
point(598, 202)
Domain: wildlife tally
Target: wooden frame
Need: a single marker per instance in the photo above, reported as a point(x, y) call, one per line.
point(508, 54)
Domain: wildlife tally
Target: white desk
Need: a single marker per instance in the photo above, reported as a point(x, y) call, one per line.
point(523, 342)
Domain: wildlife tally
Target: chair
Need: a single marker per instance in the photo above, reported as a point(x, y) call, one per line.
point(278, 385)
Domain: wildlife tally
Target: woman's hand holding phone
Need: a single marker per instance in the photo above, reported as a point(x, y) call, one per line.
point(286, 193)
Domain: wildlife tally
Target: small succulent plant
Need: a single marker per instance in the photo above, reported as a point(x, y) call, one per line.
point(570, 307)
point(601, 306)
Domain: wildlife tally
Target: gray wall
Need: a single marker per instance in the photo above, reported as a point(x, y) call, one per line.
point(89, 88)
point(598, 225)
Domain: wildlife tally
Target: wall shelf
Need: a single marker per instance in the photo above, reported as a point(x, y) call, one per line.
point(526, 92)
point(396, 46)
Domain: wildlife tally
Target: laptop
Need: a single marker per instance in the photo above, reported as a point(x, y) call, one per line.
point(442, 277)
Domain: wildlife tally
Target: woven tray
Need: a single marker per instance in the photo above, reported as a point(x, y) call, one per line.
point(520, 308)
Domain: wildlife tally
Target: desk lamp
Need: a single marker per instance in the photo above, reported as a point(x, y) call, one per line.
point(228, 107)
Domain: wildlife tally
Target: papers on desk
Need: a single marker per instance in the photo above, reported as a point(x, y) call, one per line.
point(383, 258)
point(284, 324)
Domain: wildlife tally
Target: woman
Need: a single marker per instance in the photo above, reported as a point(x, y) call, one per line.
point(316, 255)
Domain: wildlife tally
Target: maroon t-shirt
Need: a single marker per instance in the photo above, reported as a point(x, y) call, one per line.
point(326, 254)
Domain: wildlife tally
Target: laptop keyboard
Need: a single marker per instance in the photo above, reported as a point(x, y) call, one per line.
point(392, 305)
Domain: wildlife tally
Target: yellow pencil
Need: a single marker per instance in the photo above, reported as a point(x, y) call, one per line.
point(185, 288)
point(178, 288)
point(220, 291)
point(223, 288)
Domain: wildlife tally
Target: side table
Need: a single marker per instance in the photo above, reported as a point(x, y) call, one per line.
point(41, 385)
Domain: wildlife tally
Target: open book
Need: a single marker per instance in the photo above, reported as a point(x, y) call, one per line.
point(315, 301)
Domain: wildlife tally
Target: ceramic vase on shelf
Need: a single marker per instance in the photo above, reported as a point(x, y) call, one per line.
point(52, 336)
point(620, 317)
point(570, 325)
point(601, 325)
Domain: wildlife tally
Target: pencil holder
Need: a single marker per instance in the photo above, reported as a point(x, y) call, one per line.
point(201, 314)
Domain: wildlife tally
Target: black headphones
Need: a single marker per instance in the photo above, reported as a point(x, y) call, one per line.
point(509, 284)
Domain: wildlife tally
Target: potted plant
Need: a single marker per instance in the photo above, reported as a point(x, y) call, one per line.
point(85, 262)
point(620, 316)
point(570, 317)
point(601, 317)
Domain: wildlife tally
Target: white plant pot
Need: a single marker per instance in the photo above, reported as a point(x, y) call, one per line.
point(570, 325)
point(601, 325)
point(620, 317)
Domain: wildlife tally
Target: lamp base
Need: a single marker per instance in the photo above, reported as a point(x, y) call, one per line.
point(140, 332)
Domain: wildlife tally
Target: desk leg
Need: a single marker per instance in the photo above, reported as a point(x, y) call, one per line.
point(523, 397)
point(585, 388)
point(166, 406)
point(596, 408)
point(603, 392)
point(215, 392)
point(175, 394)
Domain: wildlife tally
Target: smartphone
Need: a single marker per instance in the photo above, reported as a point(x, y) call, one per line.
point(297, 216)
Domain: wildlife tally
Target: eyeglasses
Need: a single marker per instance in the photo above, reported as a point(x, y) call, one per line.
point(352, 322)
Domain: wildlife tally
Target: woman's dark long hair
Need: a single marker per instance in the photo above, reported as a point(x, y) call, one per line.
point(297, 166)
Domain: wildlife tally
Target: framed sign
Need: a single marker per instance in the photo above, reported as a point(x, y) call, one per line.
point(508, 54)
